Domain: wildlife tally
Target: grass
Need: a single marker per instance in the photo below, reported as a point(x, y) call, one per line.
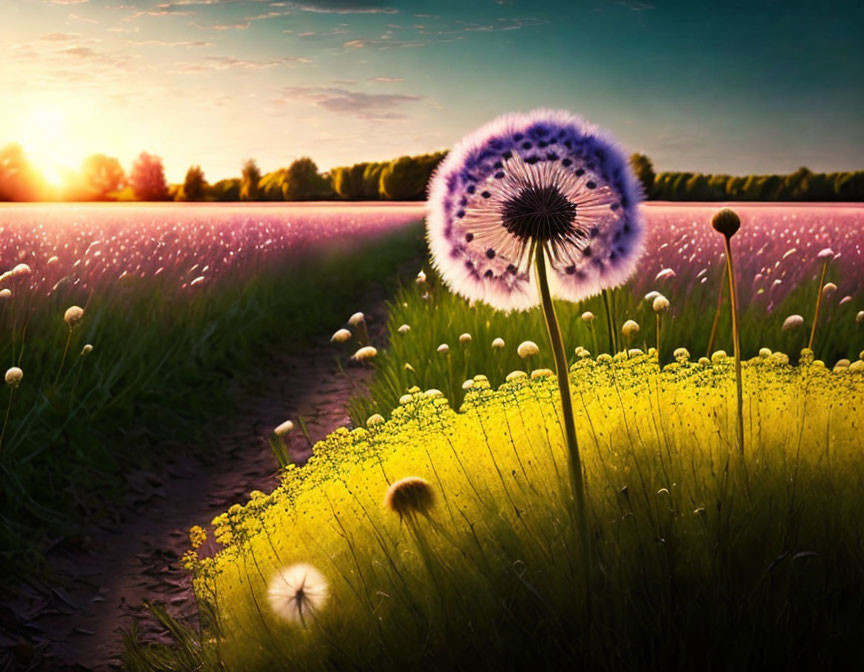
point(702, 558)
point(156, 377)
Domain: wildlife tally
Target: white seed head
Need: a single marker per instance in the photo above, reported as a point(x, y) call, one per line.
point(444, 349)
point(375, 419)
point(5, 293)
point(19, 270)
point(340, 336)
point(498, 343)
point(650, 296)
point(846, 299)
point(660, 304)
point(285, 428)
point(14, 376)
point(73, 315)
point(859, 318)
point(588, 317)
point(630, 328)
point(635, 352)
point(465, 338)
point(356, 319)
point(468, 384)
point(718, 356)
point(366, 352)
point(825, 254)
point(404, 329)
point(421, 278)
point(792, 322)
point(432, 393)
point(297, 592)
point(410, 497)
point(664, 274)
point(828, 289)
point(86, 350)
point(527, 349)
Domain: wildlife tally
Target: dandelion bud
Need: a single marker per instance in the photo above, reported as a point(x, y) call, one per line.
point(650, 296)
point(421, 278)
point(660, 304)
point(356, 319)
point(498, 343)
point(634, 352)
point(14, 376)
point(764, 352)
point(588, 317)
point(718, 356)
point(404, 329)
point(468, 384)
point(297, 592)
point(527, 349)
point(792, 322)
point(542, 373)
point(727, 222)
point(465, 338)
point(828, 289)
point(410, 497)
point(375, 419)
point(444, 349)
point(857, 367)
point(681, 354)
point(859, 318)
point(86, 350)
point(515, 375)
point(340, 336)
point(703, 361)
point(5, 293)
point(366, 352)
point(630, 328)
point(73, 316)
point(285, 428)
point(825, 254)
point(842, 364)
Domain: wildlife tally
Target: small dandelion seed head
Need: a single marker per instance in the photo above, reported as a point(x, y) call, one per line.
point(465, 338)
point(443, 349)
point(499, 344)
point(14, 375)
point(73, 316)
point(681, 354)
point(374, 420)
point(86, 350)
point(356, 319)
point(792, 322)
point(19, 270)
point(5, 293)
point(764, 352)
point(828, 289)
point(527, 349)
point(285, 428)
point(726, 221)
point(660, 304)
point(340, 336)
point(410, 497)
point(634, 352)
point(366, 352)
point(604, 358)
point(405, 399)
point(404, 329)
point(859, 318)
point(825, 254)
point(544, 178)
point(516, 375)
point(630, 328)
point(297, 592)
point(588, 317)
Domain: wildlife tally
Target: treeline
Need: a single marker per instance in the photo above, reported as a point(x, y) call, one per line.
point(802, 185)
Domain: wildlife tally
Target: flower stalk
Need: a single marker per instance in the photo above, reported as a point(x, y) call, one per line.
point(818, 302)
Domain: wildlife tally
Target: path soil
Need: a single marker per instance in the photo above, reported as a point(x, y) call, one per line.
point(115, 568)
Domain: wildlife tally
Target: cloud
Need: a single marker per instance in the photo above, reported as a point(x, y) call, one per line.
point(242, 25)
point(383, 42)
point(218, 63)
point(468, 27)
point(164, 43)
point(164, 10)
point(60, 37)
point(64, 2)
point(343, 8)
point(386, 80)
point(358, 104)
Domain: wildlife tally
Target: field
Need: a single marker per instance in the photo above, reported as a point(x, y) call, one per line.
point(699, 553)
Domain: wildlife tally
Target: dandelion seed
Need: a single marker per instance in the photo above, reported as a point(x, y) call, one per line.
point(73, 316)
point(14, 375)
point(297, 592)
point(792, 322)
point(421, 278)
point(527, 349)
point(499, 344)
point(444, 349)
point(366, 352)
point(588, 317)
point(86, 350)
point(356, 319)
point(410, 497)
point(629, 329)
point(53, 260)
point(197, 281)
point(375, 419)
point(340, 336)
point(285, 428)
point(465, 338)
point(846, 299)
point(660, 304)
point(404, 329)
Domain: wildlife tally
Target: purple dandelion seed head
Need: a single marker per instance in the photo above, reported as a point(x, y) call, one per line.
point(542, 178)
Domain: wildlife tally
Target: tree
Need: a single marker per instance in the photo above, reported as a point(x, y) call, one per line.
point(644, 171)
point(405, 179)
point(249, 181)
point(226, 190)
point(147, 178)
point(194, 185)
point(19, 181)
point(102, 175)
point(302, 181)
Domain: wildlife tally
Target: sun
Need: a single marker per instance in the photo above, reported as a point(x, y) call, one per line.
point(44, 134)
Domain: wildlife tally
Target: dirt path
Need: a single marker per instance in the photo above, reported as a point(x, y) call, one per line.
point(117, 567)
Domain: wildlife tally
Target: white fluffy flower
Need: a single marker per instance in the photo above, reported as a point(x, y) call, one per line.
point(366, 352)
point(792, 322)
point(356, 319)
point(285, 428)
point(73, 315)
point(297, 592)
point(14, 376)
point(527, 349)
point(340, 336)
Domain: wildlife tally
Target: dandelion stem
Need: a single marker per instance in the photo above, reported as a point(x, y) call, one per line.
point(736, 341)
point(561, 369)
point(818, 304)
point(594, 339)
point(63, 359)
point(658, 336)
point(610, 324)
point(716, 320)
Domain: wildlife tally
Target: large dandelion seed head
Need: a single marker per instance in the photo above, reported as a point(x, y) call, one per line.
point(13, 377)
point(545, 178)
point(297, 592)
point(410, 497)
point(73, 315)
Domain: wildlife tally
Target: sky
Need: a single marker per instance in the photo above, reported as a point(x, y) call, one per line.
point(738, 87)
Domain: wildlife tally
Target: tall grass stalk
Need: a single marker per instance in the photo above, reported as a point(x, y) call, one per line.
point(818, 302)
point(610, 323)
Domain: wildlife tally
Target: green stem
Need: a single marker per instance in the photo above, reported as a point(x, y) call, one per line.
point(818, 304)
point(736, 341)
point(6, 419)
point(562, 371)
point(658, 336)
point(610, 325)
point(716, 319)
point(63, 359)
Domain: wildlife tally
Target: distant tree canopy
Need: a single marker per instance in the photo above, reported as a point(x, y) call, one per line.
point(147, 178)
point(303, 183)
point(102, 175)
point(249, 180)
point(644, 171)
point(403, 179)
point(194, 186)
point(19, 181)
